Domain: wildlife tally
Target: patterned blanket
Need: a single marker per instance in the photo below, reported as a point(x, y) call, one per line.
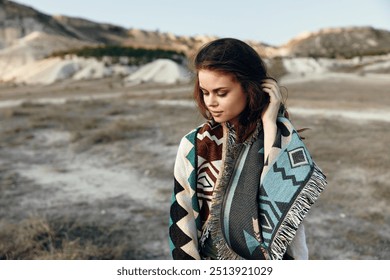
point(251, 209)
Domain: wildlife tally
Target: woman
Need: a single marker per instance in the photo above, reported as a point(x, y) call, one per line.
point(244, 180)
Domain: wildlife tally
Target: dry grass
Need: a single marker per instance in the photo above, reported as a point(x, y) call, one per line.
point(118, 130)
point(88, 122)
point(93, 123)
point(38, 238)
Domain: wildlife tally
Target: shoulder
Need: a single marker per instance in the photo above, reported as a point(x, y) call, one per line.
point(208, 130)
point(189, 140)
point(206, 127)
point(286, 122)
point(286, 127)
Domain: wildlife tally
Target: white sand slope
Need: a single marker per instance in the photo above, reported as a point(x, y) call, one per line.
point(159, 71)
point(91, 69)
point(44, 71)
point(306, 66)
point(35, 46)
point(50, 70)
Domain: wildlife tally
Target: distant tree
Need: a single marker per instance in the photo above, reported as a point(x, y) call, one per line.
point(136, 56)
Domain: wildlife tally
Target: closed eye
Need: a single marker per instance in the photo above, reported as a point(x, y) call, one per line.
point(222, 93)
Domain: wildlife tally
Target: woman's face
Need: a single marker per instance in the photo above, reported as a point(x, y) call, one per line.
point(222, 95)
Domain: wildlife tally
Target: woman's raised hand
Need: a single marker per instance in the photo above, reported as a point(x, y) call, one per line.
point(270, 112)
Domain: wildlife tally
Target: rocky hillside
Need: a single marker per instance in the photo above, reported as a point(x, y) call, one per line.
point(18, 21)
point(28, 37)
point(339, 43)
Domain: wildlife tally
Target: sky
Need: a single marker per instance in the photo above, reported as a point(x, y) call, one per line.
point(274, 22)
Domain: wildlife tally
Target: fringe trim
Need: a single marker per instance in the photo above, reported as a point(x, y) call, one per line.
point(232, 152)
point(297, 213)
point(288, 227)
point(214, 224)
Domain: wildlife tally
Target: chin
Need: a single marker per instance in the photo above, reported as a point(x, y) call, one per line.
point(219, 120)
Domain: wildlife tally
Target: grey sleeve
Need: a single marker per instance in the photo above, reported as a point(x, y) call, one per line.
point(298, 247)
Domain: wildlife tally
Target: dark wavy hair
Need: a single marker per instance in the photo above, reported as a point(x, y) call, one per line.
point(238, 59)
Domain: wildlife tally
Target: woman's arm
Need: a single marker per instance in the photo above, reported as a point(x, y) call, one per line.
point(270, 114)
point(298, 248)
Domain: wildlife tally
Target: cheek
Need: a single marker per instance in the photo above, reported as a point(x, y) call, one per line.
point(233, 107)
point(203, 98)
point(239, 104)
point(244, 102)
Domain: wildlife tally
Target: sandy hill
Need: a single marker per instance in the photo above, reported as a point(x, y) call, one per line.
point(159, 71)
point(28, 37)
point(18, 21)
point(339, 42)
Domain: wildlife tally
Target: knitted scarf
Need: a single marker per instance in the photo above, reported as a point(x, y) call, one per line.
point(251, 209)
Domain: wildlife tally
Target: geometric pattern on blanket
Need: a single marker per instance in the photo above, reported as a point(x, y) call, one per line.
point(290, 184)
point(182, 237)
point(281, 209)
point(209, 150)
point(184, 215)
point(291, 171)
point(178, 213)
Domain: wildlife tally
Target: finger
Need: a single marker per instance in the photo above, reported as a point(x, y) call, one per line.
point(274, 95)
point(272, 86)
point(272, 90)
point(269, 86)
point(270, 81)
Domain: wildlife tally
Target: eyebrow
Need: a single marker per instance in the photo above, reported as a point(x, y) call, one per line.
point(214, 90)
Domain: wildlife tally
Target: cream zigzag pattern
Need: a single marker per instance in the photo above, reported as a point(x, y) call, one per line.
point(213, 166)
point(213, 138)
point(205, 182)
point(182, 168)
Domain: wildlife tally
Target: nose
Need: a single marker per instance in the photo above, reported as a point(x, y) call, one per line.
point(211, 100)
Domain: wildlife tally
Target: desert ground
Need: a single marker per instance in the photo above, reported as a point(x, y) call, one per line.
point(86, 167)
